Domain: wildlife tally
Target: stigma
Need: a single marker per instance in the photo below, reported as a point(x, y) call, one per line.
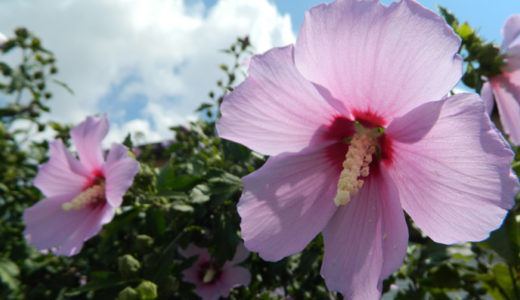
point(209, 276)
point(356, 165)
point(92, 195)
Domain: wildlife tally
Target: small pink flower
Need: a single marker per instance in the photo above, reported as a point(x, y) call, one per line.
point(211, 281)
point(81, 195)
point(355, 119)
point(136, 151)
point(506, 86)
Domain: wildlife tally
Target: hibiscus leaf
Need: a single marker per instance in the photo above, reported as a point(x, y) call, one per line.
point(464, 31)
point(226, 239)
point(506, 241)
point(8, 273)
point(200, 194)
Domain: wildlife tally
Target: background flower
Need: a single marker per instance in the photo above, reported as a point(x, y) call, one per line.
point(506, 87)
point(81, 195)
point(212, 281)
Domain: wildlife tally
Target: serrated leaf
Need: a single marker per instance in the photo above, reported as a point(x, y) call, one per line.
point(182, 207)
point(464, 31)
point(8, 273)
point(506, 240)
point(199, 194)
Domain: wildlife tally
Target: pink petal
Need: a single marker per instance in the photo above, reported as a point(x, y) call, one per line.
point(119, 171)
point(510, 31)
point(49, 226)
point(87, 138)
point(191, 274)
point(234, 277)
point(365, 241)
point(230, 278)
point(287, 202)
point(275, 109)
point(386, 60)
point(241, 254)
point(487, 96)
point(210, 292)
point(62, 174)
point(88, 227)
point(455, 181)
point(507, 96)
point(513, 56)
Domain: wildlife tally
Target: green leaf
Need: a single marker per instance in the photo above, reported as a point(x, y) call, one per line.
point(464, 31)
point(445, 277)
point(64, 85)
point(128, 142)
point(226, 239)
point(506, 241)
point(8, 273)
point(168, 180)
point(448, 16)
point(156, 222)
point(235, 152)
point(500, 285)
point(200, 194)
point(182, 207)
point(218, 175)
point(204, 106)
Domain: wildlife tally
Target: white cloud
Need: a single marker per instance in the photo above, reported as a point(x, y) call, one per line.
point(148, 64)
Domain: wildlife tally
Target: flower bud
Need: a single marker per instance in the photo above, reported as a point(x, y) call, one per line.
point(147, 290)
point(128, 294)
point(128, 266)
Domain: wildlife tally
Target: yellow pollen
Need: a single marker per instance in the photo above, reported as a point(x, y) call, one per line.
point(91, 195)
point(356, 164)
point(210, 274)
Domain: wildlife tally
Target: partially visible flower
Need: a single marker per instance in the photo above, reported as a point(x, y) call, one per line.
point(81, 195)
point(3, 40)
point(82, 280)
point(136, 151)
point(279, 293)
point(506, 87)
point(212, 281)
point(358, 126)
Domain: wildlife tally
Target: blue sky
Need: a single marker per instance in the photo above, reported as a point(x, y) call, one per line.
point(148, 65)
point(485, 15)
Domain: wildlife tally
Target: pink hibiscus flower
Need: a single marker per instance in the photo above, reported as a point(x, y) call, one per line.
point(356, 122)
point(506, 86)
point(212, 281)
point(81, 195)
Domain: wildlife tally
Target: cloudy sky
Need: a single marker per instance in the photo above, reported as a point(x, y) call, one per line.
point(150, 63)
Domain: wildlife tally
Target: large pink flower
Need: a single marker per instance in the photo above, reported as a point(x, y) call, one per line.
point(506, 86)
point(212, 281)
point(356, 122)
point(81, 195)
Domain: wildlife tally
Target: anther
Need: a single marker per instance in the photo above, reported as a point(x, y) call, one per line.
point(91, 195)
point(209, 275)
point(356, 164)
